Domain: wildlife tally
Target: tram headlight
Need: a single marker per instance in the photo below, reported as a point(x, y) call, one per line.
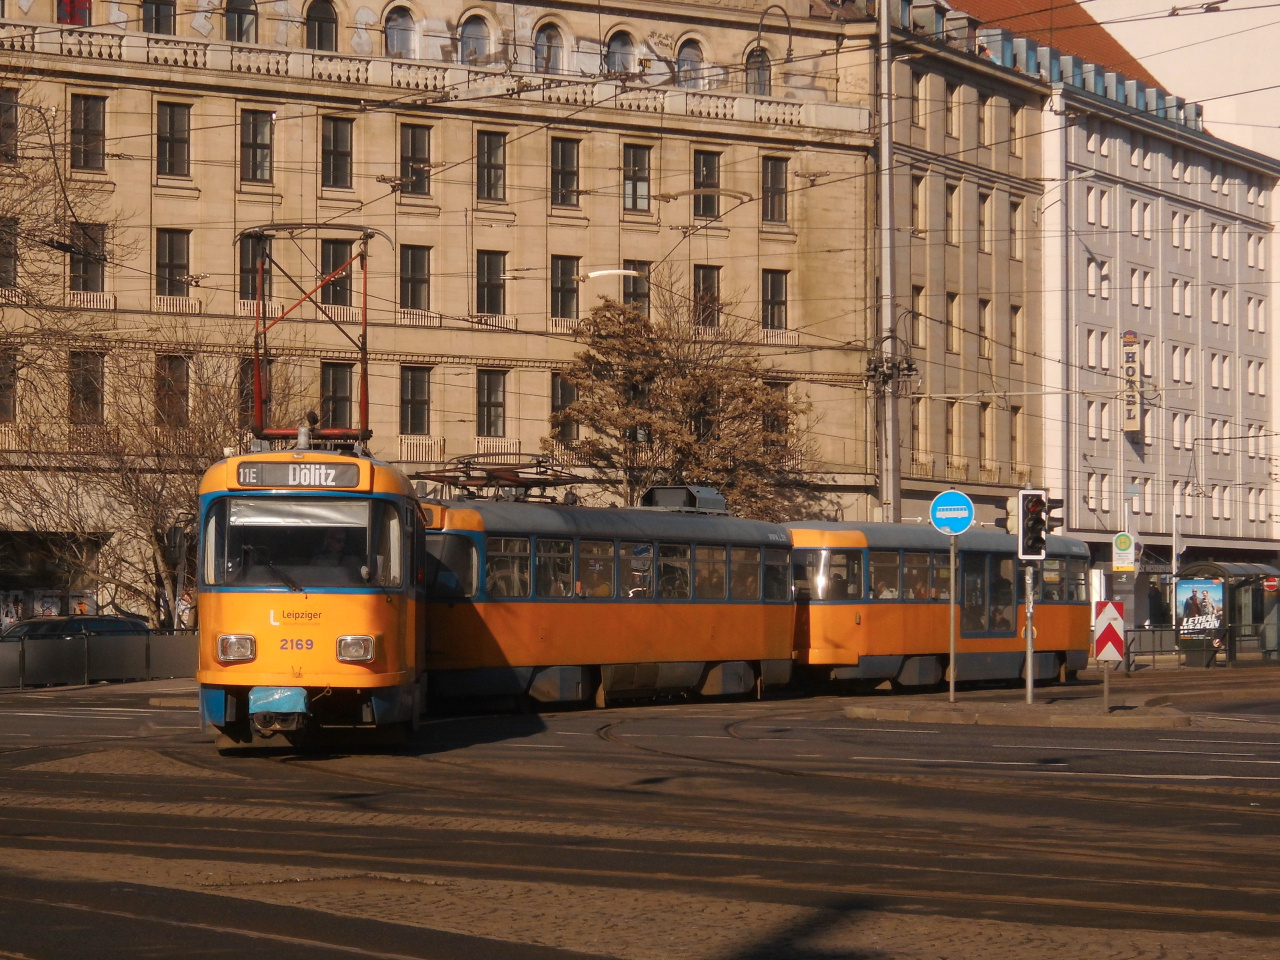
point(236, 648)
point(355, 649)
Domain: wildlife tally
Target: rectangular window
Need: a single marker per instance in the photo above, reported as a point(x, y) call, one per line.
point(415, 400)
point(984, 107)
point(706, 295)
point(491, 289)
point(951, 215)
point(635, 289)
point(1146, 221)
point(984, 221)
point(773, 189)
point(985, 339)
point(986, 433)
point(706, 176)
point(158, 16)
point(415, 278)
point(8, 252)
point(1091, 204)
point(917, 99)
point(333, 254)
point(1104, 280)
point(1104, 420)
point(1015, 130)
point(563, 393)
point(335, 395)
point(1091, 348)
point(74, 13)
point(955, 330)
point(491, 165)
point(88, 132)
point(87, 386)
point(251, 250)
point(1015, 435)
point(173, 390)
point(173, 263)
point(173, 140)
point(8, 125)
point(917, 206)
point(635, 177)
point(919, 319)
point(8, 386)
point(256, 135)
point(415, 159)
point(773, 299)
point(1015, 333)
point(88, 257)
point(952, 436)
point(951, 110)
point(335, 152)
point(1135, 286)
point(491, 403)
point(564, 287)
point(1091, 419)
point(564, 172)
point(1015, 230)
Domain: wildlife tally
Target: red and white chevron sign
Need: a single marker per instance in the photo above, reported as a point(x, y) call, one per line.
point(1108, 631)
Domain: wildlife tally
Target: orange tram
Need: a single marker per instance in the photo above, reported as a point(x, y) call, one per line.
point(331, 596)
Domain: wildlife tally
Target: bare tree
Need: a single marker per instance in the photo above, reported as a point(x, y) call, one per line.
point(682, 396)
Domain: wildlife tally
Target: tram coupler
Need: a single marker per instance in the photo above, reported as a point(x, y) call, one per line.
point(275, 710)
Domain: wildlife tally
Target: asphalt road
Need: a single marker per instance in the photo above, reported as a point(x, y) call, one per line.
point(724, 831)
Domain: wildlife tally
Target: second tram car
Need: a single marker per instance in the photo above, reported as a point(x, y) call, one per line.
point(566, 603)
point(873, 601)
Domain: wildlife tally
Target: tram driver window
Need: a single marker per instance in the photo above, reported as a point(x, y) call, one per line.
point(449, 567)
point(595, 568)
point(915, 576)
point(1054, 576)
point(635, 576)
point(673, 571)
point(554, 571)
point(886, 576)
point(1078, 580)
point(836, 574)
point(506, 567)
point(709, 573)
point(388, 560)
point(744, 573)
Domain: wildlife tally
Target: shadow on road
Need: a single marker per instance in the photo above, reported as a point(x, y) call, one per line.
point(796, 942)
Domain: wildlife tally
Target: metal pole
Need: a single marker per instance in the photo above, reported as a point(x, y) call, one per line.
point(1106, 687)
point(951, 620)
point(1031, 631)
point(889, 481)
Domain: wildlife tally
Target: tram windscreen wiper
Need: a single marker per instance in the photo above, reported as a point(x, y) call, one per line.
point(259, 556)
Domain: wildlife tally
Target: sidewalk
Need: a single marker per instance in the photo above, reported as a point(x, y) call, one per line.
point(1152, 700)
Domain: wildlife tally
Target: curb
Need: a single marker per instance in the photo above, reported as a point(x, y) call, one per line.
point(1005, 718)
point(188, 702)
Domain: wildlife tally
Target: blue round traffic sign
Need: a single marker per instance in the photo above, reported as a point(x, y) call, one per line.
point(951, 513)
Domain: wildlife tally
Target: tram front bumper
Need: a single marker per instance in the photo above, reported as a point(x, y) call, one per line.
point(276, 709)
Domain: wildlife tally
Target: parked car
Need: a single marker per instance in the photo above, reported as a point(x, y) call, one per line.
point(75, 626)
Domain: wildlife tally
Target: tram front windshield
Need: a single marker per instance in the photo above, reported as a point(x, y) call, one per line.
point(300, 543)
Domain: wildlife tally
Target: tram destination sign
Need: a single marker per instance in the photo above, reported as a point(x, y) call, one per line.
point(274, 474)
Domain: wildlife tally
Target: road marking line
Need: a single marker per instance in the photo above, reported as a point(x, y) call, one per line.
point(539, 746)
point(989, 763)
point(1251, 743)
point(1193, 753)
point(710, 736)
point(568, 733)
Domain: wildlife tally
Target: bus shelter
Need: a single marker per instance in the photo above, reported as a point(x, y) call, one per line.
point(1226, 608)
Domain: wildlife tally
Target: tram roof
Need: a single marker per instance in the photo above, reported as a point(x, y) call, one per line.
point(903, 536)
point(546, 519)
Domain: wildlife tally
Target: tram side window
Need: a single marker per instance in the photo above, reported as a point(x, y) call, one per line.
point(777, 585)
point(709, 581)
point(215, 542)
point(635, 576)
point(973, 592)
point(942, 576)
point(1054, 580)
point(840, 575)
point(506, 568)
point(595, 568)
point(673, 571)
point(388, 561)
point(553, 573)
point(449, 567)
point(915, 576)
point(1077, 581)
point(886, 576)
point(1004, 572)
point(744, 573)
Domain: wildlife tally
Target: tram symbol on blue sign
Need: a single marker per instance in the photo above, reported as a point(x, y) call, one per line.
point(951, 513)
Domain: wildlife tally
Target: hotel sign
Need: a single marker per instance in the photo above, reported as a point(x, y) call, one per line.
point(1131, 398)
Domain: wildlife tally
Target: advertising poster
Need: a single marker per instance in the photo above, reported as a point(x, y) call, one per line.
point(1199, 608)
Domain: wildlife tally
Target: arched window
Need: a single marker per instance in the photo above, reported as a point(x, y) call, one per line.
point(689, 71)
point(759, 73)
point(473, 39)
point(548, 50)
point(620, 56)
point(242, 21)
point(322, 26)
point(398, 30)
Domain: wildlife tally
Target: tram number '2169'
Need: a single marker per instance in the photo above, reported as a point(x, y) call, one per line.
point(296, 644)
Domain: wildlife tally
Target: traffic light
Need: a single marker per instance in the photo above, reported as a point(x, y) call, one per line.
point(1010, 521)
point(1052, 523)
point(1033, 524)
